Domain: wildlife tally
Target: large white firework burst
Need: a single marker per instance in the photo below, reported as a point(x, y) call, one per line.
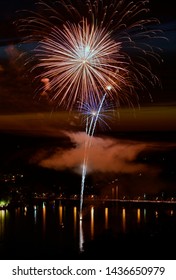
point(81, 60)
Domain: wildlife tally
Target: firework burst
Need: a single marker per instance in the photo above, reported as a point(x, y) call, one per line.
point(80, 61)
point(86, 47)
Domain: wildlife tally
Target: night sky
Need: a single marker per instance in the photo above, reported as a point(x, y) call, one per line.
point(14, 79)
point(22, 113)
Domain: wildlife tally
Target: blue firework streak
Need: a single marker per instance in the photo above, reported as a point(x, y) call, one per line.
point(91, 113)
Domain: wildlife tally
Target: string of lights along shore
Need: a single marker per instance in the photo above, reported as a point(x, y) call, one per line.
point(92, 53)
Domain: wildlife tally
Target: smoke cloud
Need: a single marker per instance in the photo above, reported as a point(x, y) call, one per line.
point(104, 155)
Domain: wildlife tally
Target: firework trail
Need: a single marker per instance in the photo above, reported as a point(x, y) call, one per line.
point(94, 113)
point(85, 47)
point(90, 129)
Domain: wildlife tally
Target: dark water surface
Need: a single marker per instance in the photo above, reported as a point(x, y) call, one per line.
point(108, 231)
